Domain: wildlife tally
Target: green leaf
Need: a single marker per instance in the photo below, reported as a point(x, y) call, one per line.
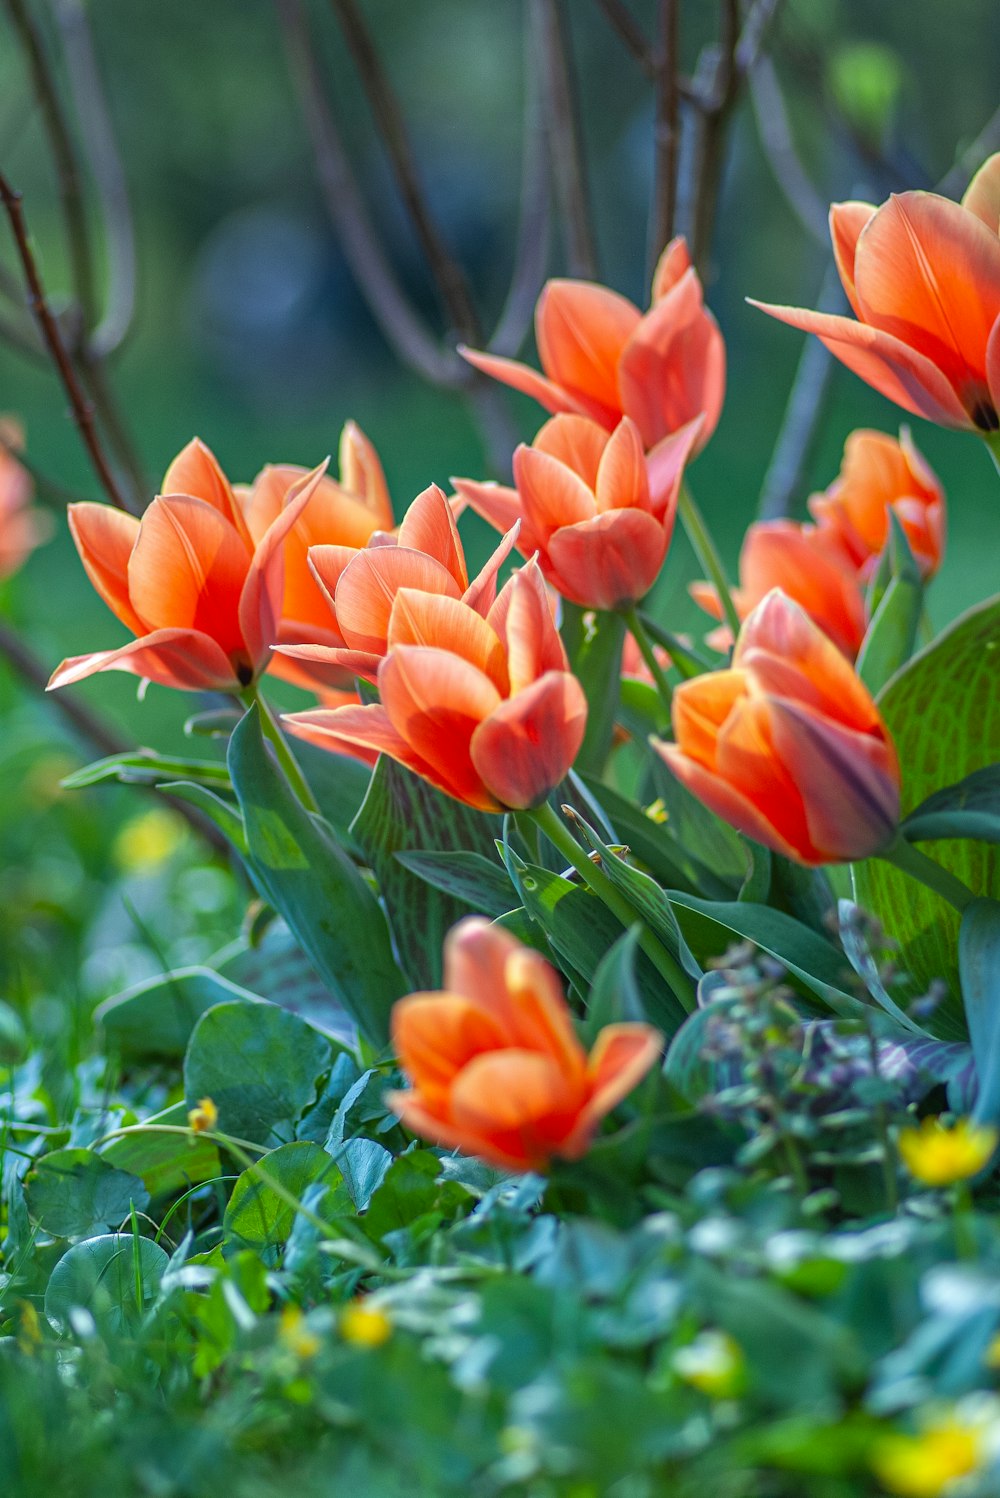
point(979, 964)
point(323, 897)
point(260, 1216)
point(74, 1193)
point(715, 845)
point(155, 1018)
point(941, 710)
point(167, 1162)
point(259, 1065)
point(276, 968)
point(892, 633)
point(614, 994)
point(115, 1277)
point(655, 845)
point(411, 1190)
point(597, 666)
point(143, 767)
point(222, 813)
point(479, 883)
point(403, 814)
point(971, 808)
point(339, 784)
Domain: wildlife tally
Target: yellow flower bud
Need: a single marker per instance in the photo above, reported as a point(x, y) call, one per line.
point(363, 1325)
point(938, 1156)
point(203, 1118)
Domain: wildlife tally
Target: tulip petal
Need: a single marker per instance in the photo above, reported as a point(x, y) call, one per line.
point(263, 593)
point(324, 665)
point(982, 196)
point(846, 223)
point(436, 701)
point(541, 1016)
point(551, 494)
point(886, 363)
point(181, 658)
point(724, 799)
point(849, 782)
point(700, 707)
point(362, 476)
point(523, 619)
point(808, 570)
point(674, 366)
point(518, 1100)
point(328, 563)
point(362, 732)
point(746, 757)
point(622, 481)
point(475, 964)
point(993, 365)
point(665, 464)
point(104, 537)
point(608, 562)
point(581, 329)
point(368, 587)
point(187, 570)
point(429, 526)
point(928, 272)
point(576, 441)
point(672, 265)
point(414, 1115)
point(499, 506)
point(431, 619)
point(621, 1056)
point(522, 377)
point(436, 1034)
point(481, 593)
point(528, 743)
point(196, 471)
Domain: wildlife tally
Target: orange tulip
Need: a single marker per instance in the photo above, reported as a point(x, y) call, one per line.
point(21, 527)
point(484, 708)
point(922, 275)
point(788, 745)
point(879, 474)
point(605, 359)
point(597, 512)
point(809, 566)
point(496, 1066)
point(358, 585)
point(202, 598)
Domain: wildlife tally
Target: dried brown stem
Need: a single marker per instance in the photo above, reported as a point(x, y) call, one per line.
point(666, 129)
point(83, 411)
point(447, 274)
point(565, 144)
point(621, 19)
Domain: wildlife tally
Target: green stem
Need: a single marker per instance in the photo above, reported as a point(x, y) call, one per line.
point(279, 743)
point(928, 871)
point(597, 880)
point(707, 553)
point(992, 440)
point(646, 650)
point(597, 665)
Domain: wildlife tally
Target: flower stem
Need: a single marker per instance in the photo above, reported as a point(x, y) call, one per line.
point(928, 871)
point(598, 881)
point(646, 650)
point(279, 743)
point(708, 557)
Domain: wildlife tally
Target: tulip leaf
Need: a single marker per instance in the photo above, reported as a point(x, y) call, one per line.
point(223, 813)
point(155, 1018)
point(971, 808)
point(274, 967)
point(614, 994)
point(655, 845)
point(979, 965)
point(478, 882)
point(941, 709)
point(309, 879)
point(597, 665)
point(892, 633)
point(403, 814)
point(143, 767)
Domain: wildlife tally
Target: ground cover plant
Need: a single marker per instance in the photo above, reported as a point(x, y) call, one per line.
point(543, 1046)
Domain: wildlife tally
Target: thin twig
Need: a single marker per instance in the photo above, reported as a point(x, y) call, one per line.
point(751, 41)
point(93, 730)
point(404, 329)
point(83, 412)
point(447, 274)
point(666, 130)
point(565, 145)
point(775, 133)
point(621, 19)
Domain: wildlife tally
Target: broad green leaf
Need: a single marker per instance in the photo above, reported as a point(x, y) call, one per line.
point(155, 1018)
point(276, 968)
point(259, 1065)
point(896, 603)
point(943, 711)
point(614, 994)
point(115, 1277)
point(339, 784)
point(411, 1189)
point(979, 965)
point(222, 812)
point(710, 842)
point(75, 1193)
point(309, 880)
point(261, 1210)
point(166, 1162)
point(403, 814)
point(969, 809)
point(479, 883)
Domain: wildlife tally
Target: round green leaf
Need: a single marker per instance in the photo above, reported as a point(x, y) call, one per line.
point(73, 1193)
point(114, 1277)
point(260, 1214)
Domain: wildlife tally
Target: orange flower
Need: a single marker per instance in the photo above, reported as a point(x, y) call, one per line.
point(788, 745)
point(358, 586)
point(201, 596)
point(809, 566)
point(605, 359)
point(496, 1066)
point(922, 275)
point(595, 510)
point(879, 474)
point(21, 528)
point(485, 709)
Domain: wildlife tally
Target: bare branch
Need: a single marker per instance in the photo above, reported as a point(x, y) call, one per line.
point(83, 412)
point(402, 326)
point(445, 269)
point(759, 18)
point(666, 131)
point(775, 132)
point(619, 16)
point(565, 145)
point(720, 64)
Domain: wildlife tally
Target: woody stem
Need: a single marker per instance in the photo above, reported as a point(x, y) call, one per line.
point(546, 819)
point(707, 553)
point(279, 744)
point(928, 871)
point(645, 644)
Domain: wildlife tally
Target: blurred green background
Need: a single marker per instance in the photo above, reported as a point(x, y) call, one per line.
point(250, 333)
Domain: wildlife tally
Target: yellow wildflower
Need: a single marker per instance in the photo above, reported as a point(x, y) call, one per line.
point(363, 1325)
point(656, 811)
point(939, 1156)
point(203, 1118)
point(713, 1363)
point(295, 1336)
point(148, 840)
point(926, 1465)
